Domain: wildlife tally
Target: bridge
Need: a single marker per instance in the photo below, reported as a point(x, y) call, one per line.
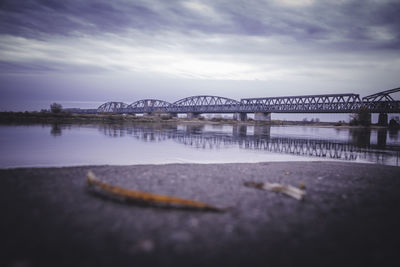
point(193, 106)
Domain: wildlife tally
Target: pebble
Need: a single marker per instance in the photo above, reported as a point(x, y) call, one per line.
point(146, 245)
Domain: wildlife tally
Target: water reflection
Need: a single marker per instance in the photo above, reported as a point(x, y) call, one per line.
point(151, 143)
point(360, 137)
point(393, 134)
point(358, 144)
point(382, 136)
point(55, 130)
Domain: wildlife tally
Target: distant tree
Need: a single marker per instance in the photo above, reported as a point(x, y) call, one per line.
point(158, 113)
point(56, 108)
point(166, 117)
point(361, 117)
point(364, 117)
point(339, 123)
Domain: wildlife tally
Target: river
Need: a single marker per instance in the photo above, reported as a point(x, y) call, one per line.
point(123, 144)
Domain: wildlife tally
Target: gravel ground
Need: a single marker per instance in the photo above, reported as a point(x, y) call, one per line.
point(349, 216)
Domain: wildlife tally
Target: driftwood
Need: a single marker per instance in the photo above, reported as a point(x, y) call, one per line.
point(289, 190)
point(144, 196)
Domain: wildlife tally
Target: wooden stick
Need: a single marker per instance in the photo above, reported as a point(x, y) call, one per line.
point(289, 190)
point(144, 196)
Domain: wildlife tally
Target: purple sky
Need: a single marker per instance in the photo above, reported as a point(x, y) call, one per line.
point(122, 50)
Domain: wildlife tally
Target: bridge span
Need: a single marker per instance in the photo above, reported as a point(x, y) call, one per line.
point(262, 107)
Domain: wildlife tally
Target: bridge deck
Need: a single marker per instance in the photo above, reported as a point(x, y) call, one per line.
point(327, 103)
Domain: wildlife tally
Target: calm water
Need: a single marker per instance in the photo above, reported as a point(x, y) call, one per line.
point(66, 145)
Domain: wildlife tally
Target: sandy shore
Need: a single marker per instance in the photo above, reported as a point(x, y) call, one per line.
point(348, 218)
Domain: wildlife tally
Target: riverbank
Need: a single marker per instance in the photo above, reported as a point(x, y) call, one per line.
point(72, 118)
point(348, 217)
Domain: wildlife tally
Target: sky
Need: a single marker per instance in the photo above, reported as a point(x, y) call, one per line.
point(89, 52)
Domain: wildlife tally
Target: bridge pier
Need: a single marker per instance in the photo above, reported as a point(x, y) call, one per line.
point(383, 119)
point(262, 116)
point(240, 116)
point(192, 115)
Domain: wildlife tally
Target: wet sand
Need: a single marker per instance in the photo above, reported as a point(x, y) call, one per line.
point(349, 216)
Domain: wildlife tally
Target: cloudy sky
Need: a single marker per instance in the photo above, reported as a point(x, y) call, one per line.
point(125, 50)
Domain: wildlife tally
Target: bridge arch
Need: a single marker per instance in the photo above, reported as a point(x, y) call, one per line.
point(148, 106)
point(150, 103)
point(382, 96)
point(112, 107)
point(195, 105)
point(206, 100)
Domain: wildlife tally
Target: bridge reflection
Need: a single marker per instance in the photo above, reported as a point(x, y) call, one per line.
point(357, 145)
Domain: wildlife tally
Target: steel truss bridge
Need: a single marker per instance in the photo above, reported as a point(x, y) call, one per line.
point(381, 102)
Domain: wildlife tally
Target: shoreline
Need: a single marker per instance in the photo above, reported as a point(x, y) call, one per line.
point(348, 216)
point(179, 163)
point(7, 118)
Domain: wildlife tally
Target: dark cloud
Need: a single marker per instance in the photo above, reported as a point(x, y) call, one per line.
point(31, 18)
point(42, 67)
point(344, 22)
point(219, 39)
point(24, 67)
point(357, 20)
point(349, 24)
